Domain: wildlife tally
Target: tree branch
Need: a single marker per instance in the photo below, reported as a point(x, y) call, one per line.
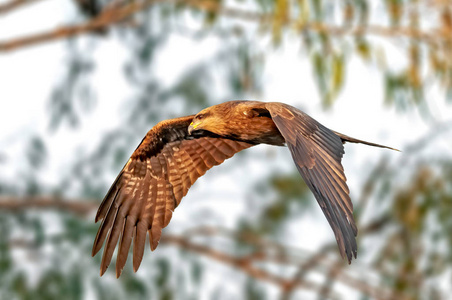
point(108, 17)
point(245, 264)
point(79, 207)
point(14, 4)
point(114, 15)
point(264, 254)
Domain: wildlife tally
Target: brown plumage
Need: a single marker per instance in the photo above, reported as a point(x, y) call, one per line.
point(176, 152)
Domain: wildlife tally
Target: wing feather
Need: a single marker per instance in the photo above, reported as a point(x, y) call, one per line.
point(159, 213)
point(110, 244)
point(151, 185)
point(107, 221)
point(139, 241)
point(186, 168)
point(317, 153)
point(124, 244)
point(205, 155)
point(109, 198)
point(219, 154)
point(334, 191)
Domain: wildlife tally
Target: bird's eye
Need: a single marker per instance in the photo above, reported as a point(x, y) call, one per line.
point(200, 117)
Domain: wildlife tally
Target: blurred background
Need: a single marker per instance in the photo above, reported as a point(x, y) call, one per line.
point(82, 81)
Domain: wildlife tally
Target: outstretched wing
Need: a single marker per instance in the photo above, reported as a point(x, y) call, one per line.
point(151, 185)
point(317, 152)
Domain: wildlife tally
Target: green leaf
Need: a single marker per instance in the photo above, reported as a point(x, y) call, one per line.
point(304, 13)
point(318, 11)
point(280, 19)
point(163, 272)
point(363, 49)
point(196, 272)
point(337, 74)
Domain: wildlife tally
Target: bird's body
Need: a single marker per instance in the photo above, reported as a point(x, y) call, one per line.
point(176, 152)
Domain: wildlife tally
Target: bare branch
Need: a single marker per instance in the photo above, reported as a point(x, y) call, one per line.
point(108, 17)
point(114, 15)
point(245, 264)
point(305, 268)
point(265, 252)
point(382, 31)
point(14, 4)
point(15, 204)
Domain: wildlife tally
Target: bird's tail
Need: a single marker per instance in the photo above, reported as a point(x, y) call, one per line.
point(346, 138)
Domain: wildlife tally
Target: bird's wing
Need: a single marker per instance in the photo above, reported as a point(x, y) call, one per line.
point(317, 152)
point(151, 185)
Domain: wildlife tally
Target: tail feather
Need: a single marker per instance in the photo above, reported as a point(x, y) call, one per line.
point(346, 138)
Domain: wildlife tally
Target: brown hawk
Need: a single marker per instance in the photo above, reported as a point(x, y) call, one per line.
point(176, 152)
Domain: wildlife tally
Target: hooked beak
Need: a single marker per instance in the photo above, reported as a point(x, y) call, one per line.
point(192, 127)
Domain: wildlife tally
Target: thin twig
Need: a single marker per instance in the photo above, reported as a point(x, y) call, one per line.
point(14, 4)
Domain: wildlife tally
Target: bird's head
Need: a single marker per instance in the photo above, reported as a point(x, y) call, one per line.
point(240, 120)
point(220, 118)
point(202, 121)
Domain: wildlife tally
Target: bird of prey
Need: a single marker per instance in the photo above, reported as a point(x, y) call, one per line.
point(176, 152)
